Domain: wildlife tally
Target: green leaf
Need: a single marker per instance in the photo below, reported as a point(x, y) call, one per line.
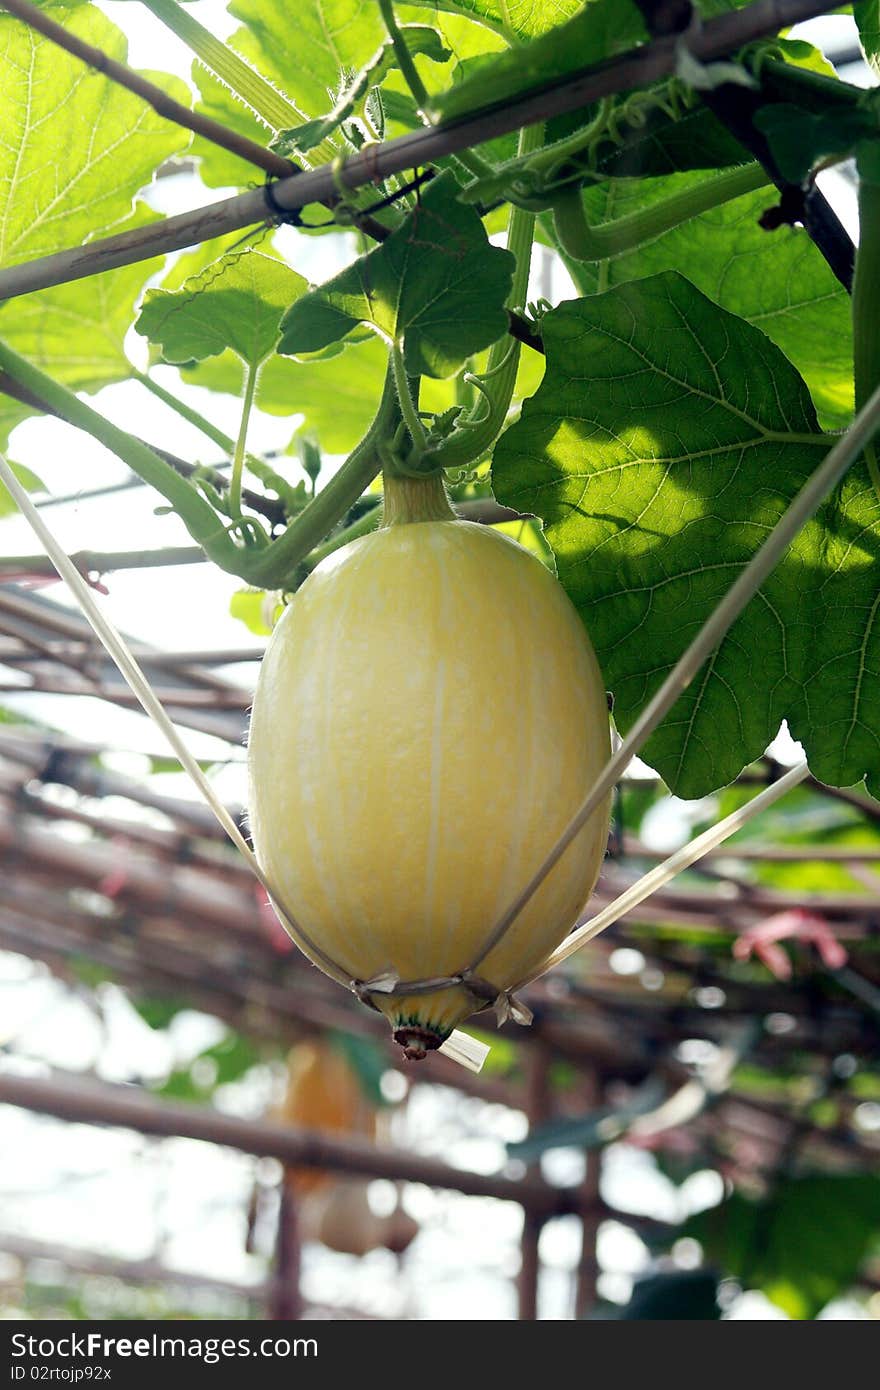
point(235, 303)
point(514, 19)
point(156, 1010)
point(436, 284)
point(419, 38)
point(307, 50)
point(776, 280)
point(234, 1055)
point(602, 29)
point(800, 139)
point(654, 145)
point(834, 570)
point(657, 450)
point(76, 147)
point(29, 481)
point(803, 1246)
point(77, 331)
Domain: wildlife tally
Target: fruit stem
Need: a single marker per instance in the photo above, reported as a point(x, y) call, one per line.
point(408, 500)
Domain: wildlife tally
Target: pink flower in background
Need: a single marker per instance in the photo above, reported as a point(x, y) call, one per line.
point(762, 938)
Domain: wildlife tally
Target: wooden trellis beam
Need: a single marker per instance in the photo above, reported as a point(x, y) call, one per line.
point(90, 1102)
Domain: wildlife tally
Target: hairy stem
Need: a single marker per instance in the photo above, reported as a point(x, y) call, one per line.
point(268, 104)
point(271, 106)
point(582, 242)
point(238, 456)
point(362, 527)
point(411, 500)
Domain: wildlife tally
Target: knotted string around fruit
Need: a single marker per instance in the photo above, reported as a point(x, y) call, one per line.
point(416, 1041)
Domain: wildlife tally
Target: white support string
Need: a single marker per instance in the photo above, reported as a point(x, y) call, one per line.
point(658, 877)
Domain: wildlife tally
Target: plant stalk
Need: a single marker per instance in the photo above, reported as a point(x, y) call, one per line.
point(474, 438)
point(240, 443)
point(405, 400)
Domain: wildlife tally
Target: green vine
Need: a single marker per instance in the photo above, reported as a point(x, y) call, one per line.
point(582, 242)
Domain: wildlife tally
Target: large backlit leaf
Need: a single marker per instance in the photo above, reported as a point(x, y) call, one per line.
point(418, 38)
point(601, 29)
point(436, 284)
point(236, 303)
point(777, 280)
point(75, 147)
point(76, 332)
point(666, 440)
point(308, 48)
